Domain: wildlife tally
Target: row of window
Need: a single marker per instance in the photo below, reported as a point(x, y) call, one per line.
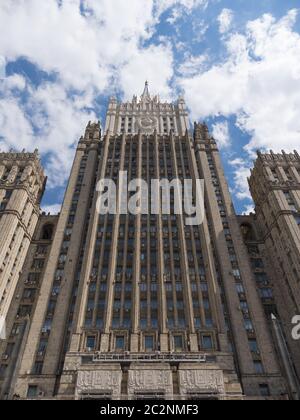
point(150, 344)
point(234, 262)
point(289, 174)
point(47, 326)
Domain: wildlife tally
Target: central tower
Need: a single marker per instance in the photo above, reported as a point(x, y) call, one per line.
point(146, 115)
point(144, 306)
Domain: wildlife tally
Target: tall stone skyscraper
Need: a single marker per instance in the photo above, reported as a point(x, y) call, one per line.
point(275, 188)
point(146, 306)
point(21, 186)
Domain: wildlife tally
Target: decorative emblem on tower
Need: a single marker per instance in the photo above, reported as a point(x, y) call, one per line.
point(147, 124)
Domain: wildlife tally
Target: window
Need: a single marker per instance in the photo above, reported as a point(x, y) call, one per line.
point(32, 391)
point(38, 368)
point(42, 250)
point(15, 330)
point(29, 294)
point(264, 390)
point(258, 368)
point(62, 259)
point(91, 342)
point(207, 342)
point(120, 343)
point(3, 206)
point(262, 278)
point(24, 310)
point(47, 325)
point(290, 201)
point(206, 304)
point(8, 194)
point(257, 263)
point(244, 305)
point(43, 345)
point(204, 287)
point(149, 343)
point(266, 293)
point(209, 322)
point(248, 325)
point(9, 349)
point(143, 323)
point(47, 232)
point(240, 288)
point(237, 274)
point(38, 264)
point(178, 343)
point(275, 174)
point(297, 218)
point(253, 346)
point(2, 370)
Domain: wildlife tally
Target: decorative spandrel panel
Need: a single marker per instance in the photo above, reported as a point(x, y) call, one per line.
point(201, 381)
point(101, 381)
point(150, 380)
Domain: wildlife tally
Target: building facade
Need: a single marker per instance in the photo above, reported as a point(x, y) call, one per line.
point(21, 187)
point(144, 306)
point(24, 303)
point(273, 239)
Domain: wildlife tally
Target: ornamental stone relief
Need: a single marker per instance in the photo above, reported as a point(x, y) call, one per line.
point(143, 380)
point(26, 173)
point(101, 380)
point(147, 124)
point(12, 175)
point(201, 380)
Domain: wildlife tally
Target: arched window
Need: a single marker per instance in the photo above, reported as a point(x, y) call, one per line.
point(47, 232)
point(247, 232)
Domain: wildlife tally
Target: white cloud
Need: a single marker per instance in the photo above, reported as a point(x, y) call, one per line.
point(61, 121)
point(192, 65)
point(225, 20)
point(241, 173)
point(186, 5)
point(143, 66)
point(15, 130)
point(221, 134)
point(95, 49)
point(264, 91)
point(241, 176)
point(56, 121)
point(82, 48)
point(249, 209)
point(258, 82)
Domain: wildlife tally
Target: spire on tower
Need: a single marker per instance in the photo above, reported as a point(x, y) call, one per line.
point(146, 93)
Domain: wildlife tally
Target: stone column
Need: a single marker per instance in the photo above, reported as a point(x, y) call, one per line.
point(2, 191)
point(184, 259)
point(13, 174)
point(161, 123)
point(2, 171)
point(164, 345)
point(126, 124)
point(104, 346)
point(83, 290)
point(137, 263)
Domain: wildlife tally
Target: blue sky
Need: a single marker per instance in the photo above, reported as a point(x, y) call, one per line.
point(237, 63)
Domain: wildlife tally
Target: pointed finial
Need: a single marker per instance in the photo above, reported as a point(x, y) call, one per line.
point(146, 93)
